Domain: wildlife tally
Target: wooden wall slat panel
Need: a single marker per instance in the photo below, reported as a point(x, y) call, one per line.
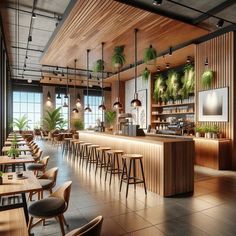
point(220, 53)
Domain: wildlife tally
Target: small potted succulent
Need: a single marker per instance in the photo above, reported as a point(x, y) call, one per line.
point(198, 131)
point(215, 131)
point(1, 174)
point(13, 152)
point(207, 130)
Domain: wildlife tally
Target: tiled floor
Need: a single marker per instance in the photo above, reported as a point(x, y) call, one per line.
point(210, 211)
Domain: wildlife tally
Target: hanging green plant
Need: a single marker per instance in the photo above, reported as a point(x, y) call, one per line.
point(145, 74)
point(188, 81)
point(159, 88)
point(173, 84)
point(207, 79)
point(118, 58)
point(99, 66)
point(149, 54)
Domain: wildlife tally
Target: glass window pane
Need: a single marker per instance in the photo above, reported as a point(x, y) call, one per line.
point(16, 96)
point(23, 97)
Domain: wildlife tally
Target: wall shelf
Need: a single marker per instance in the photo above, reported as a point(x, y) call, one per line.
point(173, 105)
point(174, 113)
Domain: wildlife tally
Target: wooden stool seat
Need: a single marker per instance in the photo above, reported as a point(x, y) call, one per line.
point(132, 156)
point(115, 151)
point(94, 146)
point(86, 144)
point(130, 161)
point(104, 149)
point(79, 141)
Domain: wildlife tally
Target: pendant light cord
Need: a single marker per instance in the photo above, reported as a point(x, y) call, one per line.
point(118, 85)
point(75, 79)
point(88, 50)
point(102, 70)
point(135, 58)
point(67, 81)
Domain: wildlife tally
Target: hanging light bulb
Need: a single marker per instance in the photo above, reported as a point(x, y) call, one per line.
point(206, 62)
point(75, 110)
point(78, 102)
point(87, 108)
point(29, 81)
point(117, 104)
point(49, 96)
point(135, 102)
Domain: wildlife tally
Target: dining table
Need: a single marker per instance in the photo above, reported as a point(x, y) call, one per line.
point(12, 185)
point(22, 159)
point(18, 143)
point(24, 148)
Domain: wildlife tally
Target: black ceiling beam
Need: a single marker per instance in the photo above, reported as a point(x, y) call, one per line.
point(157, 10)
point(29, 49)
point(213, 11)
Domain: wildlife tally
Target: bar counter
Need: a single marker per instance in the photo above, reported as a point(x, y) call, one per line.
point(168, 162)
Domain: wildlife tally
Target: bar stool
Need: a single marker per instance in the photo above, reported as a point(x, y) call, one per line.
point(84, 150)
point(93, 155)
point(130, 161)
point(77, 150)
point(113, 165)
point(102, 163)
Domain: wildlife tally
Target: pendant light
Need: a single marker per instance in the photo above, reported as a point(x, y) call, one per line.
point(117, 104)
point(87, 108)
point(135, 102)
point(66, 95)
point(75, 110)
point(102, 107)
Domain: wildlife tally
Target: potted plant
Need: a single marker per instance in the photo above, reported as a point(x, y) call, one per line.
point(215, 131)
point(207, 79)
point(99, 66)
point(78, 124)
point(13, 152)
point(62, 124)
point(118, 58)
point(1, 175)
point(20, 123)
point(198, 131)
point(188, 81)
point(159, 88)
point(149, 54)
point(145, 74)
point(53, 119)
point(110, 117)
point(207, 131)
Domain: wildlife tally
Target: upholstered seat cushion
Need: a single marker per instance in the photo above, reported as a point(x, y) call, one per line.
point(46, 183)
point(48, 207)
point(36, 166)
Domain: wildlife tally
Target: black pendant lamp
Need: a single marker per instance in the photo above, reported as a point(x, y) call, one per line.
point(135, 102)
point(66, 95)
point(102, 107)
point(87, 108)
point(117, 104)
point(75, 110)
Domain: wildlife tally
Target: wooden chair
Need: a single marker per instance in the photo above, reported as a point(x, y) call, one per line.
point(40, 166)
point(93, 228)
point(53, 206)
point(48, 181)
point(37, 155)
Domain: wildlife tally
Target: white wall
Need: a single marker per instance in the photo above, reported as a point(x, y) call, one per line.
point(129, 94)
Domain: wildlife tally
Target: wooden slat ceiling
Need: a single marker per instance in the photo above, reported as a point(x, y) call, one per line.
point(92, 22)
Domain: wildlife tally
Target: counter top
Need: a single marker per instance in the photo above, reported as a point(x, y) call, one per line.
point(147, 139)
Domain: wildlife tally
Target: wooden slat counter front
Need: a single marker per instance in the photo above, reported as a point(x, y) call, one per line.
point(168, 162)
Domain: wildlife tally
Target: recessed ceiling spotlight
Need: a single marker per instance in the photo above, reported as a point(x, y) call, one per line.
point(220, 23)
point(157, 2)
point(34, 15)
point(167, 65)
point(30, 38)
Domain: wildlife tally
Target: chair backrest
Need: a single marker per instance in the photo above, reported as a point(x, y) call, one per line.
point(51, 174)
point(93, 228)
point(38, 155)
point(63, 192)
point(45, 160)
point(75, 136)
point(35, 150)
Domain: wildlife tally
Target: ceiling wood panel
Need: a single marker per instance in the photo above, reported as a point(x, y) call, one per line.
point(92, 22)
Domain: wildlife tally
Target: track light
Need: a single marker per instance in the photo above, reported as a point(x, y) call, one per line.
point(188, 59)
point(30, 38)
point(158, 69)
point(34, 15)
point(170, 51)
point(167, 66)
point(57, 68)
point(157, 2)
point(220, 23)
point(206, 62)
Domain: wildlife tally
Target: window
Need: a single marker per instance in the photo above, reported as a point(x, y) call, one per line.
point(30, 105)
point(64, 110)
point(90, 118)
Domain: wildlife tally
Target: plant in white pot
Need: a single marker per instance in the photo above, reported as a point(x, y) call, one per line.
point(198, 131)
point(215, 131)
